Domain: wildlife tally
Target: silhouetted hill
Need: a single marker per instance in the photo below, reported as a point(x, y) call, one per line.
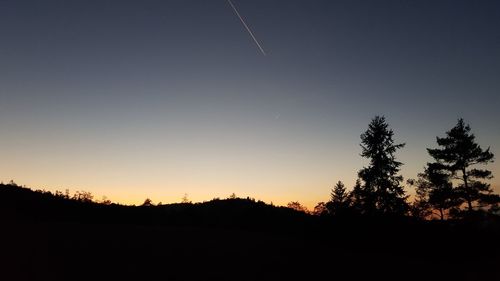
point(49, 236)
point(23, 203)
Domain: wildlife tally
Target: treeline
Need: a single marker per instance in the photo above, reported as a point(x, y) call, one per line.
point(22, 203)
point(452, 186)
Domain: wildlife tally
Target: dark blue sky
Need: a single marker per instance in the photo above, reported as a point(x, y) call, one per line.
point(161, 98)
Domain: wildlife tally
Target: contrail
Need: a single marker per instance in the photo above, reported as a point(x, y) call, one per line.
point(246, 26)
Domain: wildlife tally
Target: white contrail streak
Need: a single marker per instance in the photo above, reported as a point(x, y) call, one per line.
point(246, 26)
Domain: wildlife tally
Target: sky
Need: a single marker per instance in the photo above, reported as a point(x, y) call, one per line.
point(158, 99)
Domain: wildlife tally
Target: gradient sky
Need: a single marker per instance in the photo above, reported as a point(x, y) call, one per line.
point(136, 99)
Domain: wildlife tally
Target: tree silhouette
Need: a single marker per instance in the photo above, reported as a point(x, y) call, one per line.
point(320, 209)
point(83, 196)
point(457, 155)
point(381, 191)
point(297, 206)
point(339, 200)
point(185, 199)
point(357, 197)
point(147, 203)
point(434, 193)
point(106, 201)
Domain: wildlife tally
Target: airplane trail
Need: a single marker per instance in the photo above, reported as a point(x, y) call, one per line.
point(247, 27)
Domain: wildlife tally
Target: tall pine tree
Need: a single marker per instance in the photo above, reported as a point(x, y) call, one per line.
point(381, 191)
point(458, 155)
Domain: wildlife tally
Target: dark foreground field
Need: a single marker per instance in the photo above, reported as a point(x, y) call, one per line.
point(87, 243)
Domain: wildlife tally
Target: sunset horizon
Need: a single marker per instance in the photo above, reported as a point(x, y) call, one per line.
point(250, 140)
point(262, 99)
point(134, 195)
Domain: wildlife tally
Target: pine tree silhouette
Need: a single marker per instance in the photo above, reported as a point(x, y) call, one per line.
point(381, 191)
point(457, 155)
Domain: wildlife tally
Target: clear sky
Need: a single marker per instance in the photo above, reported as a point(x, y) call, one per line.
point(150, 98)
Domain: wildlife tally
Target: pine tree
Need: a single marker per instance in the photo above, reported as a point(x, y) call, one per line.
point(458, 154)
point(339, 193)
point(339, 201)
point(357, 197)
point(382, 191)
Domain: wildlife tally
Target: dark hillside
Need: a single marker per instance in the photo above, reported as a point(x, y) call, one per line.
point(23, 203)
point(45, 237)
